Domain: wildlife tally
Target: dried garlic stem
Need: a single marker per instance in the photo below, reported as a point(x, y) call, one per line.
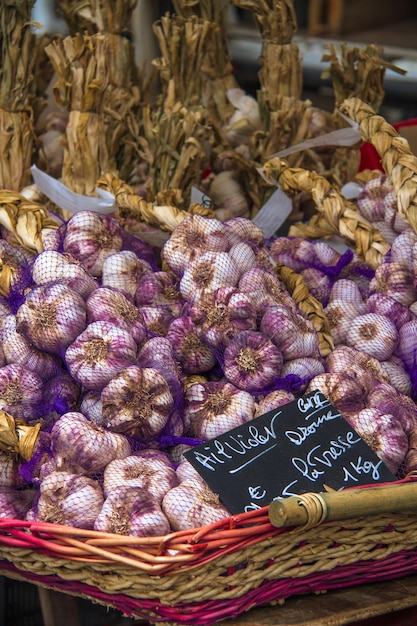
point(397, 159)
point(308, 305)
point(337, 215)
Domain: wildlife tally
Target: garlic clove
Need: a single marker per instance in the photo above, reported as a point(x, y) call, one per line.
point(273, 400)
point(99, 353)
point(207, 273)
point(375, 197)
point(346, 290)
point(340, 315)
point(91, 407)
point(383, 304)
point(123, 271)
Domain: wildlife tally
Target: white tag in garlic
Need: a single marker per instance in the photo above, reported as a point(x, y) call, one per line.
point(351, 190)
point(63, 197)
point(199, 197)
point(342, 137)
point(273, 213)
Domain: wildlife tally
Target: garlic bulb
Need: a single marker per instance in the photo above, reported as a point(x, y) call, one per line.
point(407, 345)
point(123, 270)
point(69, 499)
point(273, 400)
point(387, 399)
point(258, 281)
point(346, 290)
point(156, 319)
point(373, 334)
point(51, 317)
point(85, 445)
point(92, 407)
point(240, 229)
point(132, 511)
point(402, 249)
point(384, 434)
point(293, 334)
point(60, 395)
point(14, 263)
point(221, 315)
point(159, 289)
point(91, 237)
point(343, 391)
point(194, 236)
point(340, 315)
point(9, 470)
point(186, 473)
point(151, 470)
point(227, 196)
point(383, 304)
point(17, 349)
point(318, 283)
point(365, 369)
point(252, 362)
point(110, 305)
point(137, 401)
point(395, 280)
point(304, 369)
point(377, 194)
point(192, 506)
point(98, 353)
point(213, 408)
point(52, 266)
point(207, 273)
point(15, 504)
point(245, 119)
point(397, 375)
point(193, 355)
point(20, 392)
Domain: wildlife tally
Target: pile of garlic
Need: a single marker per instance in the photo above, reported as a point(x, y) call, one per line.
point(125, 365)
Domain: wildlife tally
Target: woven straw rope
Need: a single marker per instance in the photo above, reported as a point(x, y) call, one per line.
point(336, 215)
point(397, 159)
point(291, 555)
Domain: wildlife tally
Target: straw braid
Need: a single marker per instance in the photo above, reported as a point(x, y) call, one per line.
point(337, 215)
point(308, 305)
point(398, 161)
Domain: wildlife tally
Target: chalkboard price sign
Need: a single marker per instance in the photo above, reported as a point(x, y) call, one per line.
point(299, 447)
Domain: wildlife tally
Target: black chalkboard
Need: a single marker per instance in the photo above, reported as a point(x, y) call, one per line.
point(300, 447)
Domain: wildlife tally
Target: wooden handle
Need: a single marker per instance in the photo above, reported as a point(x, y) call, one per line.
point(313, 508)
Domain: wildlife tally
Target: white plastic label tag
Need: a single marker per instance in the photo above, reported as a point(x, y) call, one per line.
point(63, 197)
point(199, 197)
point(273, 213)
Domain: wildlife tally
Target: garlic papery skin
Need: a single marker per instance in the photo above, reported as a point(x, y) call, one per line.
point(51, 317)
point(373, 334)
point(346, 290)
point(151, 470)
point(245, 120)
point(256, 281)
point(137, 402)
point(194, 236)
point(134, 512)
point(14, 262)
point(159, 289)
point(91, 237)
point(293, 334)
point(109, 305)
point(221, 314)
point(207, 273)
point(227, 196)
point(243, 255)
point(272, 401)
point(407, 345)
point(156, 320)
point(192, 506)
point(9, 470)
point(86, 446)
point(395, 280)
point(366, 370)
point(213, 408)
point(343, 391)
point(60, 395)
point(383, 304)
point(98, 353)
point(241, 229)
point(395, 221)
point(252, 362)
point(304, 368)
point(296, 253)
point(17, 349)
point(340, 315)
point(193, 355)
point(318, 283)
point(186, 473)
point(402, 249)
point(69, 499)
point(122, 271)
point(92, 407)
point(377, 195)
point(387, 399)
point(52, 266)
point(20, 392)
point(397, 375)
point(384, 434)
point(15, 504)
